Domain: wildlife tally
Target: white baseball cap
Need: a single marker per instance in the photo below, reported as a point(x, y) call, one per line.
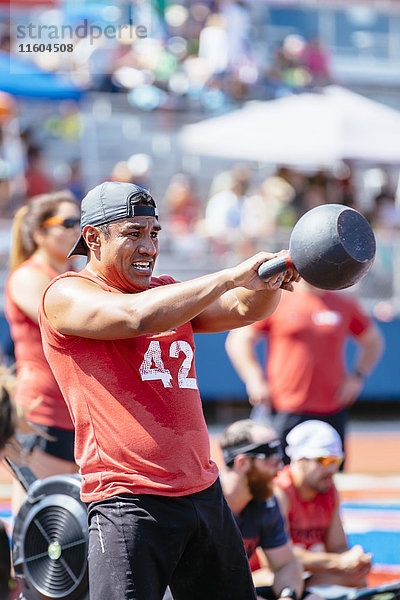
point(312, 439)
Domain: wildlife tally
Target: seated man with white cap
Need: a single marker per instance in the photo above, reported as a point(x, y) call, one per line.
point(310, 504)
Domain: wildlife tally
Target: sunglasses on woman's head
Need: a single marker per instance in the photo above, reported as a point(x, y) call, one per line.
point(67, 223)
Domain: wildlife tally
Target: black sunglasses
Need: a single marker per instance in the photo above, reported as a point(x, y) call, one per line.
point(253, 450)
point(68, 222)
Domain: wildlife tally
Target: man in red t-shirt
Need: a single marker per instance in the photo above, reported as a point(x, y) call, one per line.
point(120, 344)
point(309, 502)
point(304, 375)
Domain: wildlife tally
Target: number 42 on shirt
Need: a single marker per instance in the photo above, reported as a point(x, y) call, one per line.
point(153, 367)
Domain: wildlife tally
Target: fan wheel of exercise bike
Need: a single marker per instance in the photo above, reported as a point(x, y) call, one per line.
point(55, 551)
point(50, 541)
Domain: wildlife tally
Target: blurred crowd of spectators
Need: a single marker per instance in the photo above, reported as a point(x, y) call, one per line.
point(24, 171)
point(201, 55)
point(241, 212)
point(204, 54)
point(240, 209)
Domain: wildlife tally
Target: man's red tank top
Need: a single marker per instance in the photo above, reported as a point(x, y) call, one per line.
point(308, 521)
point(35, 379)
point(136, 406)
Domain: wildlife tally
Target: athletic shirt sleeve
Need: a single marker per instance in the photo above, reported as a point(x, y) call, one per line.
point(273, 526)
point(261, 524)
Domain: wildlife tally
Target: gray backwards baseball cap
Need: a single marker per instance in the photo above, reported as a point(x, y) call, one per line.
point(111, 201)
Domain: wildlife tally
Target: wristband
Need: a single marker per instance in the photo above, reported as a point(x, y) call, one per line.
point(288, 592)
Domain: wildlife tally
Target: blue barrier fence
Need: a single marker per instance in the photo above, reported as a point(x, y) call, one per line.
point(218, 380)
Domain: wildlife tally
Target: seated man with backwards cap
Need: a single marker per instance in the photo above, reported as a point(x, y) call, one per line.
point(310, 504)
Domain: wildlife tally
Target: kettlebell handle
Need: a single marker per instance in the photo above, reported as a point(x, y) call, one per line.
point(274, 266)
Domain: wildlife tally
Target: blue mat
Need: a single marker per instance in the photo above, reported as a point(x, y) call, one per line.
point(376, 527)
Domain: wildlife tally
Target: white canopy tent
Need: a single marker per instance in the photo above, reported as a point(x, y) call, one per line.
point(309, 129)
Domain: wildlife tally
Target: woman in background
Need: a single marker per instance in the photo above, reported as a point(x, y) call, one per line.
point(43, 232)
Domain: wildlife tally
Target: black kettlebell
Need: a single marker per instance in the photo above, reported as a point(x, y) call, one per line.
point(332, 247)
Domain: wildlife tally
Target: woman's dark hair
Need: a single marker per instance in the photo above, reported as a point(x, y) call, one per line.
point(8, 413)
point(8, 417)
point(8, 424)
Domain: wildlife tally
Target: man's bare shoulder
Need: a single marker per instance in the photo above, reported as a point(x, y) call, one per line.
point(66, 288)
point(76, 306)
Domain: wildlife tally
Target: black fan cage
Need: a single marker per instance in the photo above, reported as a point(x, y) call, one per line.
point(55, 531)
point(50, 541)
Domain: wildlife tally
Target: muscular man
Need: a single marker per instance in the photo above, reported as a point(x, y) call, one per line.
point(253, 456)
point(310, 503)
point(304, 376)
point(120, 343)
